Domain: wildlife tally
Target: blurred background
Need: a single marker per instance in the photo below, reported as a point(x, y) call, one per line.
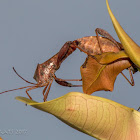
point(31, 32)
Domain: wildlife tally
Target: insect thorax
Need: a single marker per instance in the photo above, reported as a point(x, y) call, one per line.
point(44, 72)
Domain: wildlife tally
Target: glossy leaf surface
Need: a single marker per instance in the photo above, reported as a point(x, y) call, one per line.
point(98, 117)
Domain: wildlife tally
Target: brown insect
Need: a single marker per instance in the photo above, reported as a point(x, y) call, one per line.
point(45, 72)
point(96, 45)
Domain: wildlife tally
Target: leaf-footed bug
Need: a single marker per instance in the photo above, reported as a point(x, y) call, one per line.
point(45, 72)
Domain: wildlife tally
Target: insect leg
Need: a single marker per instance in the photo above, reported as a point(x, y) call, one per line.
point(59, 79)
point(131, 78)
point(96, 31)
point(67, 84)
point(45, 89)
point(34, 87)
point(46, 95)
point(63, 82)
point(81, 49)
point(106, 35)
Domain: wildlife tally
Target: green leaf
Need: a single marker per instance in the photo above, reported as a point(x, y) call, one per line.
point(130, 47)
point(98, 117)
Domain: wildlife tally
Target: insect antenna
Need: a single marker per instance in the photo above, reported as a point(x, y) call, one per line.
point(22, 77)
point(16, 89)
point(34, 84)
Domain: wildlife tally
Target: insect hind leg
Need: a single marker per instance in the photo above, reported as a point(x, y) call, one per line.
point(131, 81)
point(106, 35)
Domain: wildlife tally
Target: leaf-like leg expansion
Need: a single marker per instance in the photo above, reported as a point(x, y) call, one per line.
point(131, 78)
point(109, 57)
point(106, 35)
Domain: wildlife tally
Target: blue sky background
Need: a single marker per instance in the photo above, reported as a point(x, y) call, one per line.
point(32, 31)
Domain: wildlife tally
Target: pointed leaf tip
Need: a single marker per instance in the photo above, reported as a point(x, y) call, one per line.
point(130, 47)
point(25, 100)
